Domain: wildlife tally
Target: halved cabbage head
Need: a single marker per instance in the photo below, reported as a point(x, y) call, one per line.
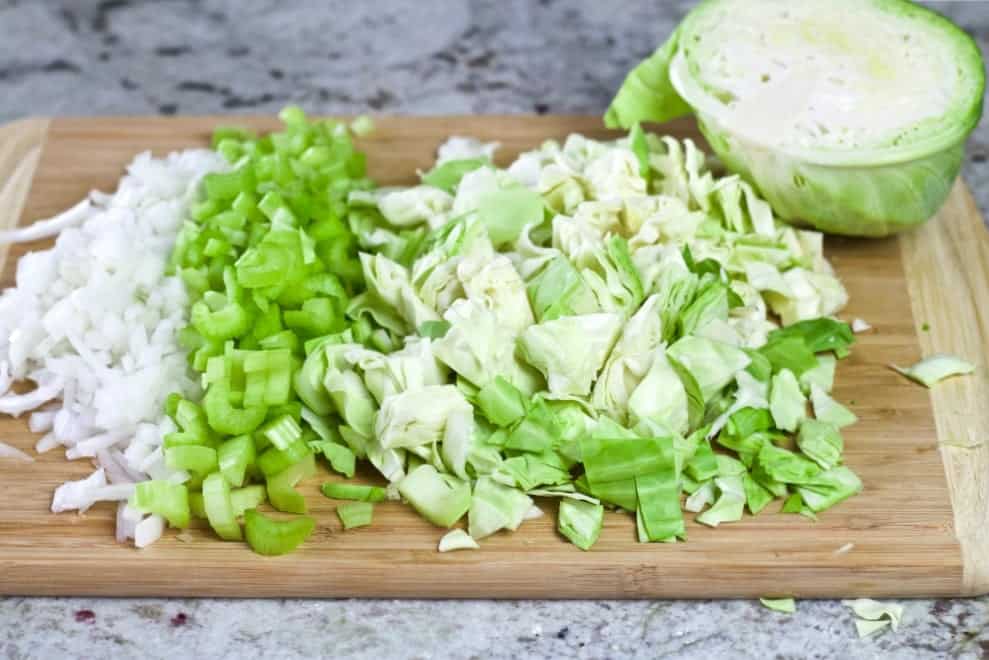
point(848, 115)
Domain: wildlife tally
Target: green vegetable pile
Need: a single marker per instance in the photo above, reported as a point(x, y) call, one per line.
point(593, 324)
point(270, 265)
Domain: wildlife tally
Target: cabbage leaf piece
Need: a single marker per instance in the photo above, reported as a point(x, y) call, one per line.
point(786, 401)
point(872, 615)
point(712, 364)
point(569, 351)
point(418, 417)
point(580, 521)
point(932, 370)
point(828, 410)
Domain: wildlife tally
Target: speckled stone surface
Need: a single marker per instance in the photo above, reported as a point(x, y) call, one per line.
point(82, 57)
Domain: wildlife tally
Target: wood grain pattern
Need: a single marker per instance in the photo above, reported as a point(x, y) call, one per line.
point(947, 267)
point(902, 526)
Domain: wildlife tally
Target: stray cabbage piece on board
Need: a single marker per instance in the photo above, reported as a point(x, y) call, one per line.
point(857, 130)
point(932, 370)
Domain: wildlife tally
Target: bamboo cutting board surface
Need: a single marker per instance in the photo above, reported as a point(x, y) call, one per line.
point(919, 528)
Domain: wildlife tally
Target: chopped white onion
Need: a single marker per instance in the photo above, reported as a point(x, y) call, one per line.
point(9, 451)
point(860, 325)
point(47, 228)
point(41, 421)
point(93, 321)
point(127, 519)
point(15, 404)
point(148, 530)
point(78, 494)
point(47, 443)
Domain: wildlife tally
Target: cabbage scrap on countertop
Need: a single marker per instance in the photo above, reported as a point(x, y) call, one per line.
point(598, 323)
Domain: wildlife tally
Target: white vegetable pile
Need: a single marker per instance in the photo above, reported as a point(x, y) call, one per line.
point(93, 323)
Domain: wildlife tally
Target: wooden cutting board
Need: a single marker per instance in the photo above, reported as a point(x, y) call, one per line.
point(919, 528)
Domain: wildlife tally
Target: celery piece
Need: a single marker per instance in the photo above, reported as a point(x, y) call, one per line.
point(274, 460)
point(357, 492)
point(170, 501)
point(219, 510)
point(197, 506)
point(192, 458)
point(234, 457)
point(281, 487)
point(282, 431)
point(248, 497)
point(271, 537)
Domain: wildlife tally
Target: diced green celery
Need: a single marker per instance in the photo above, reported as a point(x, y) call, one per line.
point(198, 459)
point(281, 487)
point(234, 457)
point(171, 501)
point(225, 417)
point(274, 460)
point(358, 492)
point(248, 497)
point(197, 506)
point(271, 537)
point(219, 510)
point(282, 432)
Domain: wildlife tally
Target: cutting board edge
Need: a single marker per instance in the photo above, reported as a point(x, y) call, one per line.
point(353, 578)
point(944, 263)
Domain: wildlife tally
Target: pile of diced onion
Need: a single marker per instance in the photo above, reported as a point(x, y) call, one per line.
point(93, 322)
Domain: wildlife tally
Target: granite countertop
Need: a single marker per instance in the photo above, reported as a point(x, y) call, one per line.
point(83, 57)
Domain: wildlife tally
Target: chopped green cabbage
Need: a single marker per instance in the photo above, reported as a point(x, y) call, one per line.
point(580, 522)
point(784, 605)
point(932, 370)
point(828, 410)
point(872, 616)
point(457, 539)
point(786, 401)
